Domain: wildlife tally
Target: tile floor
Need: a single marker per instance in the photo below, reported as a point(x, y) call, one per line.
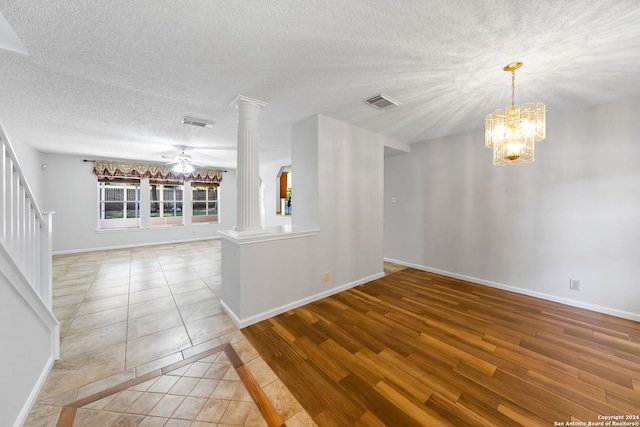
point(127, 312)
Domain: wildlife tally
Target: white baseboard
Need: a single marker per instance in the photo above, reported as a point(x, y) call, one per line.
point(24, 413)
point(549, 297)
point(250, 320)
point(133, 245)
point(231, 314)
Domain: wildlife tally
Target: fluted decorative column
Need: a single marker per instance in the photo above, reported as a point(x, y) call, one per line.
point(248, 169)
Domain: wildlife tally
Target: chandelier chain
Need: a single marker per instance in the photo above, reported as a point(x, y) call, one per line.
point(513, 87)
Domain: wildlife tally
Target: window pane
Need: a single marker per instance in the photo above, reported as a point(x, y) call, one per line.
point(205, 202)
point(167, 193)
point(155, 209)
point(172, 192)
point(199, 193)
point(113, 210)
point(133, 210)
point(132, 193)
point(114, 192)
point(212, 193)
point(199, 208)
point(119, 204)
point(172, 209)
point(155, 193)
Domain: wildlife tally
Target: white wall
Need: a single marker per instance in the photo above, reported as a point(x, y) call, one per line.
point(261, 280)
point(71, 191)
point(337, 173)
point(350, 199)
point(338, 177)
point(306, 171)
point(574, 213)
point(27, 331)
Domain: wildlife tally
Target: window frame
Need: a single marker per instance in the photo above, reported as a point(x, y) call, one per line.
point(126, 221)
point(208, 219)
point(178, 204)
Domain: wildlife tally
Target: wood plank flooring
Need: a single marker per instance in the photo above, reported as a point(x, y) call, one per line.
point(416, 348)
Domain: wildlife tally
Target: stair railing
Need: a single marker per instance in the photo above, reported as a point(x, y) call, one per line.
point(25, 231)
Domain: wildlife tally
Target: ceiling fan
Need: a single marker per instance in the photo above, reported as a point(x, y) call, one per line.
point(182, 163)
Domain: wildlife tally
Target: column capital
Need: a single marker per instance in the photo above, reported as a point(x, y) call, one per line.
point(242, 98)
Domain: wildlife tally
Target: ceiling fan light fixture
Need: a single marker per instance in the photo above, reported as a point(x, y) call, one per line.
point(182, 166)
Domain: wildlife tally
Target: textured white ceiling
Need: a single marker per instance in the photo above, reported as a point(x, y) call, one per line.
point(114, 78)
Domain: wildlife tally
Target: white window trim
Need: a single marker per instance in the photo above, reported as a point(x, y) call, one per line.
point(169, 221)
point(205, 219)
point(144, 221)
point(118, 223)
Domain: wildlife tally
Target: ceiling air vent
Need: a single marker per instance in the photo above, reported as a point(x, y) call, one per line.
point(196, 122)
point(382, 102)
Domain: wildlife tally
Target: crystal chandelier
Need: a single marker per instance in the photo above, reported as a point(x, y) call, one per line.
point(513, 132)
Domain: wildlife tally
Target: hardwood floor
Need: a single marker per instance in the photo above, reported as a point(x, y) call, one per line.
point(415, 348)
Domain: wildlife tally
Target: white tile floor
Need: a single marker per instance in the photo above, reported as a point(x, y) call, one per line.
point(127, 312)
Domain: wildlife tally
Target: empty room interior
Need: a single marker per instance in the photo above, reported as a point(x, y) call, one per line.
point(368, 213)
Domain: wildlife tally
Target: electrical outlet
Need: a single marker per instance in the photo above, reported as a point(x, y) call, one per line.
point(327, 276)
point(574, 284)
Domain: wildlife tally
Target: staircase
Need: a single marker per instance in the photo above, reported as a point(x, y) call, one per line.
point(28, 329)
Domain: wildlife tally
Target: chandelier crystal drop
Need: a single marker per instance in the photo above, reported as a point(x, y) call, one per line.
point(513, 132)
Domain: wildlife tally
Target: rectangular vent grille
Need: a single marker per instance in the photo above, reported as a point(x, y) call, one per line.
point(194, 122)
point(382, 102)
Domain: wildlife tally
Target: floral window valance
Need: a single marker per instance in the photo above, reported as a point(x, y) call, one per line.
point(111, 169)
